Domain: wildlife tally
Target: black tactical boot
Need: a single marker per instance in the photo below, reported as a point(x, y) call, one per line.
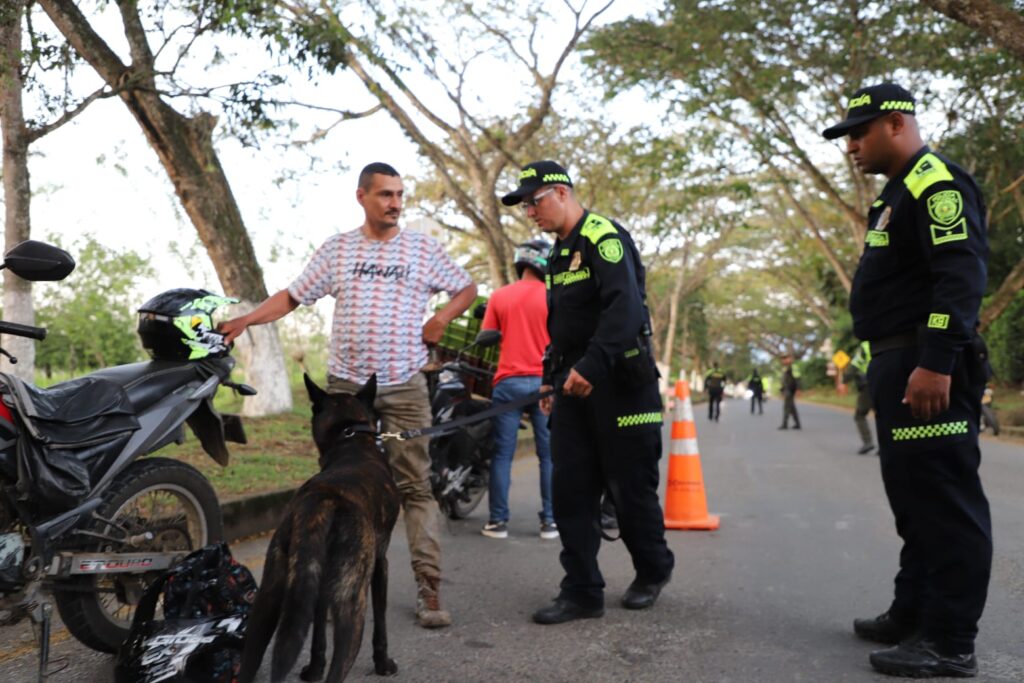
point(883, 629)
point(922, 659)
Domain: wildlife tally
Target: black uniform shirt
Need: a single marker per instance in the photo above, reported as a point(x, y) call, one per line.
point(924, 260)
point(596, 294)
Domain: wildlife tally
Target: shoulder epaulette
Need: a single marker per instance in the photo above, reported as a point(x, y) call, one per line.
point(597, 227)
point(928, 170)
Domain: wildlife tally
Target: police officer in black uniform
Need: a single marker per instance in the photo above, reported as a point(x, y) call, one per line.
point(606, 422)
point(915, 298)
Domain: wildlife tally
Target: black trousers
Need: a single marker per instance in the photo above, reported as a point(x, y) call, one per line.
point(930, 472)
point(714, 404)
point(590, 456)
point(756, 398)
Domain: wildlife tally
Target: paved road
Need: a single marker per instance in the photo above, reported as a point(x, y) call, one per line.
point(806, 544)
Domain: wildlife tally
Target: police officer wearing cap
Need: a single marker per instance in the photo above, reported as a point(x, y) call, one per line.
point(915, 299)
point(606, 420)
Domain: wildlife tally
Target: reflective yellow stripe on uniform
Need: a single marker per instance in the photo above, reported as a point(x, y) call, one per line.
point(928, 170)
point(597, 227)
point(639, 419)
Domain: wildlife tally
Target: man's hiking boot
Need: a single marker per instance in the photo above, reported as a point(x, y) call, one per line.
point(428, 603)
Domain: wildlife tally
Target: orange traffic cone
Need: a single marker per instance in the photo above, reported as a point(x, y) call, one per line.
point(686, 506)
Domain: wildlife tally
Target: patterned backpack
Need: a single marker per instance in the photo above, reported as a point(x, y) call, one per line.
point(206, 602)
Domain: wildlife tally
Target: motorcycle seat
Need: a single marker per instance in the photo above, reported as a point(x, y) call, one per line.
point(148, 382)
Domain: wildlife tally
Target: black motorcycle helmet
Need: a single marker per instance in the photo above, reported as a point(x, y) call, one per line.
point(177, 325)
point(532, 254)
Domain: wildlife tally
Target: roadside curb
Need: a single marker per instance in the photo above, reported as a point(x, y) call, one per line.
point(260, 513)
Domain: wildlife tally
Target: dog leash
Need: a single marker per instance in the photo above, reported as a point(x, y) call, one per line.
point(447, 427)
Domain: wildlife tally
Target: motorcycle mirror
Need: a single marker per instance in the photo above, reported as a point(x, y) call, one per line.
point(488, 338)
point(38, 261)
point(480, 310)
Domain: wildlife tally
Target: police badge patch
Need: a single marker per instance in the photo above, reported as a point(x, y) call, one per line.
point(610, 250)
point(945, 207)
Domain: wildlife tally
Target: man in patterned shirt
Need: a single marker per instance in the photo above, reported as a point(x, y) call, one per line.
point(381, 278)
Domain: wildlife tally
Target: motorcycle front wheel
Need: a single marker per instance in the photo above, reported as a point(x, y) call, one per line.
point(168, 499)
point(461, 505)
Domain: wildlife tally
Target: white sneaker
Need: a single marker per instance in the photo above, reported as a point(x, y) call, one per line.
point(548, 530)
point(496, 530)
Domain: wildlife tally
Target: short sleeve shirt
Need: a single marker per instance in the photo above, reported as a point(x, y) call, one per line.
point(381, 290)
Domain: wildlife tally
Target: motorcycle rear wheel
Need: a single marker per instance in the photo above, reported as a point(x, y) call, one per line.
point(460, 507)
point(170, 499)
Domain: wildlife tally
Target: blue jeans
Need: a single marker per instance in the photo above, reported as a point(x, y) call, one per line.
point(506, 428)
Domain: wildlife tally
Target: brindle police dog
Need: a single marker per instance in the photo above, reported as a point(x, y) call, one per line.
point(331, 547)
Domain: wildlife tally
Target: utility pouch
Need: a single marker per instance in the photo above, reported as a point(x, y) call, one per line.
point(635, 367)
point(978, 369)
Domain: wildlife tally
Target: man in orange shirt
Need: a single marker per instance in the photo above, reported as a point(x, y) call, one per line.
point(520, 312)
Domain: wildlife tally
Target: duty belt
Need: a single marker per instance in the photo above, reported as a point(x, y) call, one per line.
point(896, 341)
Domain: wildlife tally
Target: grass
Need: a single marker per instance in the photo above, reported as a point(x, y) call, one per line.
point(280, 453)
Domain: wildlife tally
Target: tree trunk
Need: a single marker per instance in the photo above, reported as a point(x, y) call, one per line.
point(185, 148)
point(17, 298)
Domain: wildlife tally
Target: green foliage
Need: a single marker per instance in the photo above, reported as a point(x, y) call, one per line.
point(91, 315)
point(1005, 340)
point(812, 372)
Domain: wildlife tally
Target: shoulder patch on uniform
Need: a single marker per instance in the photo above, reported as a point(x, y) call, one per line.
point(945, 206)
point(949, 233)
point(928, 170)
point(597, 227)
point(611, 250)
point(878, 203)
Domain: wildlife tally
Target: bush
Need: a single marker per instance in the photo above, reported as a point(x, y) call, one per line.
point(812, 373)
point(1005, 339)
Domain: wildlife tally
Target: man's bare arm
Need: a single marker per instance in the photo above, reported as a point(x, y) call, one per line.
point(273, 308)
point(433, 329)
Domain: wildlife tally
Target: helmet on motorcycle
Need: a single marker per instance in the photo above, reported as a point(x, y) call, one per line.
point(176, 325)
point(533, 254)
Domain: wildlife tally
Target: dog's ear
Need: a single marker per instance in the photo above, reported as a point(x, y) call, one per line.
point(316, 394)
point(368, 393)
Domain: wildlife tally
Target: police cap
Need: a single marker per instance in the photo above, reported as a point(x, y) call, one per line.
point(534, 176)
point(868, 104)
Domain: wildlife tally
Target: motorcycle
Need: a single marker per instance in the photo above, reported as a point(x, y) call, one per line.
point(460, 461)
point(86, 523)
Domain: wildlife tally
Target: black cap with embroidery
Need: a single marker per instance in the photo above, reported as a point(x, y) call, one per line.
point(534, 176)
point(868, 104)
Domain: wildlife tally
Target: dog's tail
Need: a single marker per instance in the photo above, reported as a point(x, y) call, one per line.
point(267, 609)
point(306, 565)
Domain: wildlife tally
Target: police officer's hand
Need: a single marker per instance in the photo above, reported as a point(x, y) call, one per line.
point(927, 393)
point(547, 402)
point(576, 385)
point(433, 330)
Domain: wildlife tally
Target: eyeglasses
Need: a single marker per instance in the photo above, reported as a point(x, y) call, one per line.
point(533, 201)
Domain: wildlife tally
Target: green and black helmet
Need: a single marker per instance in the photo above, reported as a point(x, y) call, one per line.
point(177, 325)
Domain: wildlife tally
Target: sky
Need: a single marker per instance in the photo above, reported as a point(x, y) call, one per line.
point(98, 175)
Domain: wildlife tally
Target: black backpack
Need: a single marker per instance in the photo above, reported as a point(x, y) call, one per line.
point(207, 597)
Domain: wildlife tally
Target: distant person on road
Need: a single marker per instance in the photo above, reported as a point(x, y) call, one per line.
point(520, 312)
point(790, 387)
point(915, 297)
point(714, 384)
point(858, 372)
point(606, 421)
point(988, 413)
point(381, 277)
point(756, 387)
